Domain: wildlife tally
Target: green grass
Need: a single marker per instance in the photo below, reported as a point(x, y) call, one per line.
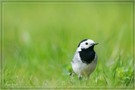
point(39, 41)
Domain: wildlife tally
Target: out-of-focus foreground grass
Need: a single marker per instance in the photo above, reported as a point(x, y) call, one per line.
point(40, 38)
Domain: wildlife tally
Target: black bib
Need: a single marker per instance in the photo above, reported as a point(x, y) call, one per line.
point(87, 55)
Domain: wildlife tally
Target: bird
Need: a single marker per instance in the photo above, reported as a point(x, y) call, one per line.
point(85, 59)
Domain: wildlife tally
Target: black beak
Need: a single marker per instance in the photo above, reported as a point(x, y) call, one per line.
point(96, 43)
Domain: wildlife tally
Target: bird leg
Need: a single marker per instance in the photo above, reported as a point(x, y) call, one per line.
point(80, 77)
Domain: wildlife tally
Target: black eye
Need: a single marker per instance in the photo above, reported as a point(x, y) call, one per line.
point(86, 43)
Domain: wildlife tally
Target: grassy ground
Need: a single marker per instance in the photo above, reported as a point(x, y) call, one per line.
point(39, 41)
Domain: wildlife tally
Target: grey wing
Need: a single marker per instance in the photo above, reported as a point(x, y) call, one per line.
point(76, 57)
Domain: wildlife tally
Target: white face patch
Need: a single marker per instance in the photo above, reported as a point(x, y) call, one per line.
point(86, 44)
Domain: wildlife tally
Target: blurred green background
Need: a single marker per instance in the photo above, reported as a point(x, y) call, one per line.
point(40, 39)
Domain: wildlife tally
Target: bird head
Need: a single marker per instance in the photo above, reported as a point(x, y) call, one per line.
point(85, 44)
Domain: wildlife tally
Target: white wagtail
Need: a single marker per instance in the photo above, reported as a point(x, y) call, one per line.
point(85, 59)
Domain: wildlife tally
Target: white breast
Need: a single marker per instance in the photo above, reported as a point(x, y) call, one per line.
point(83, 69)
